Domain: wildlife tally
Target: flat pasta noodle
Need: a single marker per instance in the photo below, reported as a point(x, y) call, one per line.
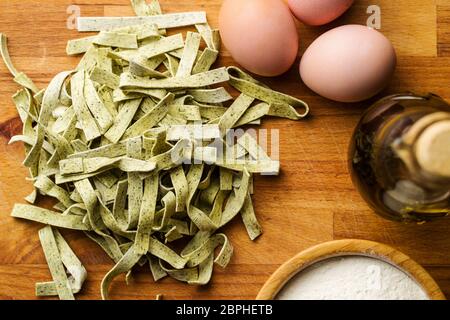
point(5, 55)
point(19, 77)
point(249, 219)
point(151, 93)
point(154, 8)
point(111, 150)
point(147, 214)
point(143, 31)
point(103, 59)
point(113, 224)
point(30, 141)
point(197, 241)
point(172, 64)
point(197, 216)
point(123, 120)
point(55, 264)
point(194, 132)
point(128, 81)
point(173, 20)
point(98, 109)
point(209, 36)
point(218, 95)
point(49, 217)
point(249, 143)
point(181, 187)
point(32, 197)
point(89, 60)
point(202, 253)
point(108, 244)
point(75, 269)
point(155, 268)
point(206, 60)
point(117, 40)
point(284, 105)
point(104, 77)
point(78, 46)
point(135, 185)
point(92, 165)
point(172, 235)
point(166, 254)
point(226, 179)
point(266, 167)
point(141, 8)
point(49, 103)
point(151, 119)
point(165, 214)
point(184, 275)
point(235, 112)
point(209, 194)
point(237, 199)
point(84, 116)
point(189, 56)
point(122, 96)
point(205, 270)
point(151, 50)
point(48, 187)
point(128, 261)
point(141, 68)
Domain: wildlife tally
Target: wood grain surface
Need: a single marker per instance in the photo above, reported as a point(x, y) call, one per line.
point(312, 201)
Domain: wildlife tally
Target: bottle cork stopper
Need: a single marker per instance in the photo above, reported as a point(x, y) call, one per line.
point(411, 136)
point(432, 149)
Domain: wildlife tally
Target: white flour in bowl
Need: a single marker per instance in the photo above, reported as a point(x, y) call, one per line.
point(352, 278)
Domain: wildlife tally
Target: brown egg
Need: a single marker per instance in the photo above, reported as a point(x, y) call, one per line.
point(319, 12)
point(260, 35)
point(348, 64)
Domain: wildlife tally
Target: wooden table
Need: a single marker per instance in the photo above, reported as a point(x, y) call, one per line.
point(312, 201)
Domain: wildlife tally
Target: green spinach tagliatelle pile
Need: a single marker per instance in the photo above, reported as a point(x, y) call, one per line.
point(124, 144)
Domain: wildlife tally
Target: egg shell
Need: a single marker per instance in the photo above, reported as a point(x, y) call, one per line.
point(260, 35)
point(318, 12)
point(348, 64)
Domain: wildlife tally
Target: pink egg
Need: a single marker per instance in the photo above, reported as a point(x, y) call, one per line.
point(261, 35)
point(348, 64)
point(319, 12)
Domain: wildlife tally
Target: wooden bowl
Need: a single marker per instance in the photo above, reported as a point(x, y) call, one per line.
point(348, 248)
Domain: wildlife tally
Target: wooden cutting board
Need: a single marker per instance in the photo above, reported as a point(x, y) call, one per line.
point(312, 201)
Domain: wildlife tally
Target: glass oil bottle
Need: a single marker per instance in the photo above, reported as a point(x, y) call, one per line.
point(399, 157)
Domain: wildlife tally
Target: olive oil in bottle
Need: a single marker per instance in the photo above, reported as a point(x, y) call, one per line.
point(400, 157)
